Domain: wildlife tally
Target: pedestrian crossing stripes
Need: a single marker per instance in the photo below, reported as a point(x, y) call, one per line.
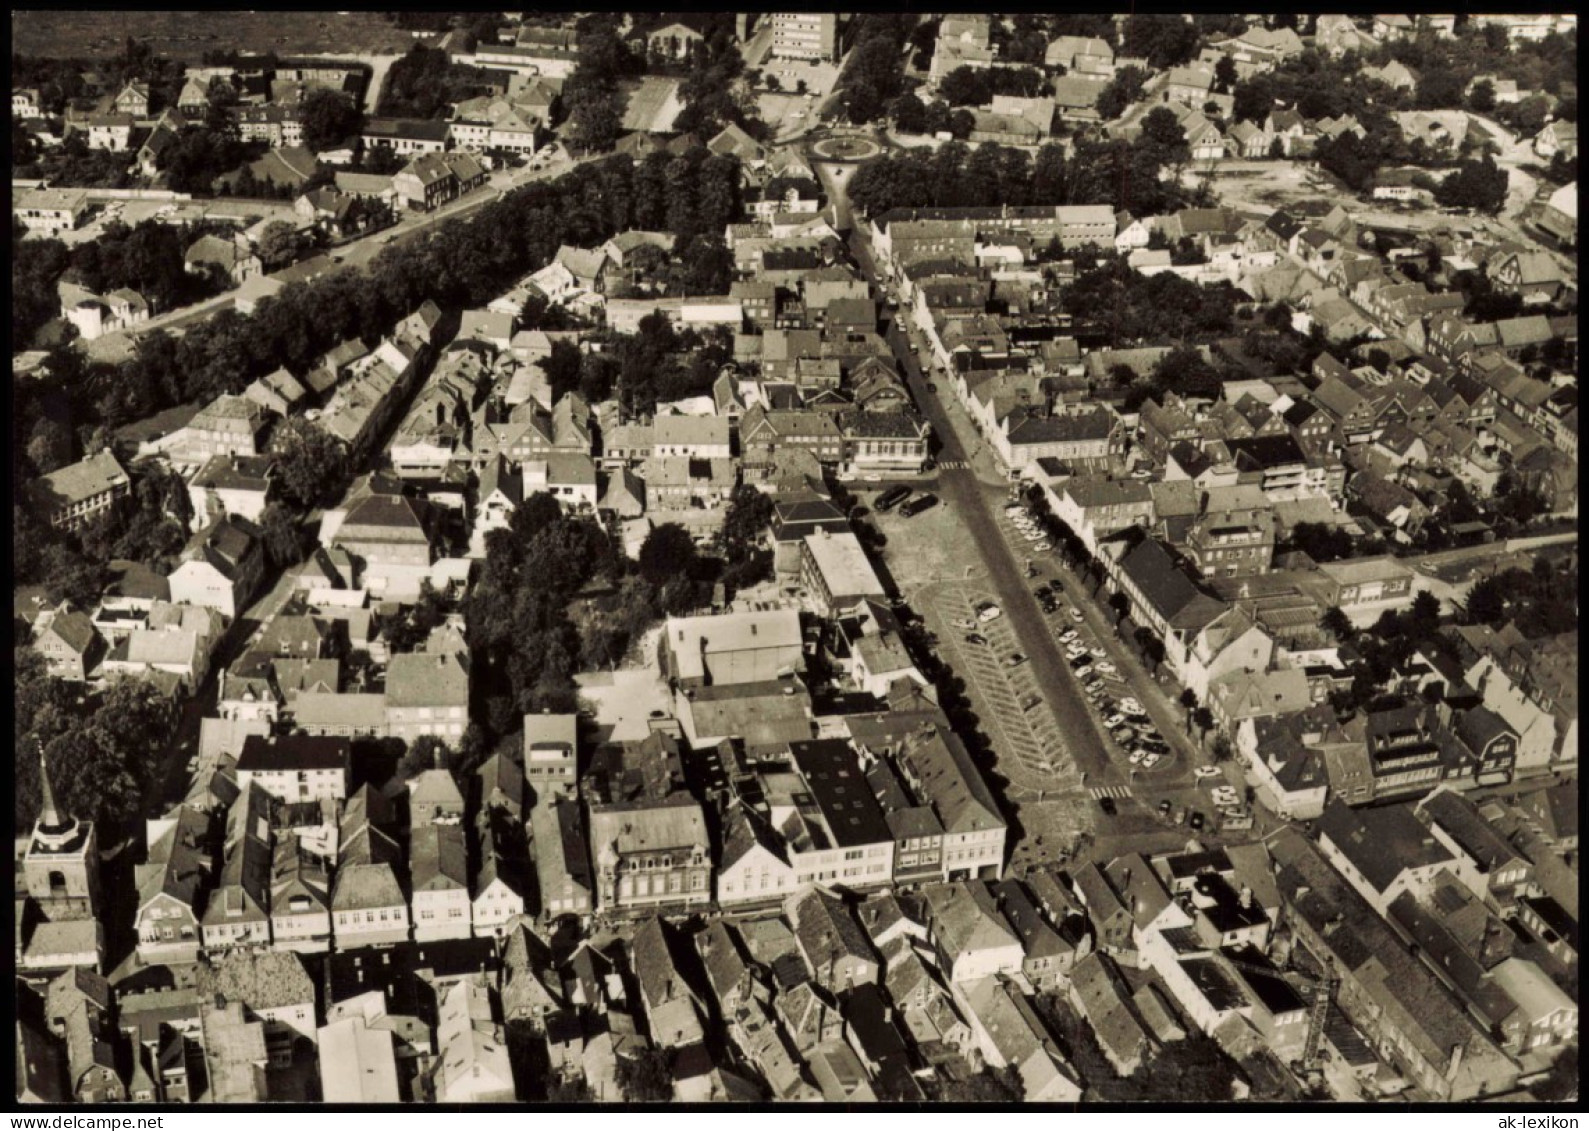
point(953, 465)
point(1110, 791)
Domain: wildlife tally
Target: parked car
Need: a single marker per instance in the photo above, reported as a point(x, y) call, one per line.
point(1107, 804)
point(1151, 760)
point(1080, 662)
point(1068, 635)
point(988, 611)
point(1164, 809)
point(1195, 822)
point(1015, 659)
point(1031, 701)
point(975, 638)
point(1075, 615)
point(1137, 756)
point(1115, 720)
point(1203, 773)
point(891, 498)
point(917, 505)
point(1180, 815)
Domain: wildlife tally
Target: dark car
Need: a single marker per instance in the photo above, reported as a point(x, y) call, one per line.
point(891, 498)
point(976, 638)
point(1014, 660)
point(918, 504)
point(1196, 821)
point(931, 387)
point(1164, 809)
point(1043, 590)
point(1081, 662)
point(1107, 804)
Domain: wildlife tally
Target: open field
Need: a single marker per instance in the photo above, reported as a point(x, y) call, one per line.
point(72, 33)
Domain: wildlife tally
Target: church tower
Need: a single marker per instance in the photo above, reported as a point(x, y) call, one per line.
point(61, 866)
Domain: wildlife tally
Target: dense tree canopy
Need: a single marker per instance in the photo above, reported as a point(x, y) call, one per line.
point(329, 118)
point(873, 73)
point(422, 84)
point(1479, 185)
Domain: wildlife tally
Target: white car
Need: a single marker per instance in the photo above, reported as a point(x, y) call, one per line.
point(991, 613)
point(1115, 720)
point(1203, 773)
point(1068, 635)
point(1138, 757)
point(1131, 703)
point(1043, 546)
point(1075, 615)
point(1106, 667)
point(1225, 796)
point(1151, 760)
point(1098, 652)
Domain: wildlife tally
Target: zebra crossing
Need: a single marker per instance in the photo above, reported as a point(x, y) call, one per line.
point(953, 465)
point(1101, 791)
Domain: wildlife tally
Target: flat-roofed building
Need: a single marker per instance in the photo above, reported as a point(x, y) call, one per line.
point(837, 572)
point(749, 647)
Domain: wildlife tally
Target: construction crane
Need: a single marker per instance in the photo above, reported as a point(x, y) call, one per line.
point(1323, 994)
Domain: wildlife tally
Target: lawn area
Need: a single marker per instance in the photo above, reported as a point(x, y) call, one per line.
point(67, 33)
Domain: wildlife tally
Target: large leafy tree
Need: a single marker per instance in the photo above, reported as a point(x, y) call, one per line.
point(311, 463)
point(667, 554)
point(329, 117)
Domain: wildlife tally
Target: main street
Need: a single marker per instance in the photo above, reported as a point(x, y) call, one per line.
point(972, 500)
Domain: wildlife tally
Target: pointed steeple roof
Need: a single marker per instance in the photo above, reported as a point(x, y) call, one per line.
point(49, 816)
point(53, 832)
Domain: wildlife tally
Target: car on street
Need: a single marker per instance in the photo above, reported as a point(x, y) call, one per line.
point(975, 638)
point(1195, 822)
point(1107, 804)
point(1180, 815)
point(193, 764)
point(1203, 773)
point(1164, 809)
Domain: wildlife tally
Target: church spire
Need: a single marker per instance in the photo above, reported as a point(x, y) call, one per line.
point(49, 816)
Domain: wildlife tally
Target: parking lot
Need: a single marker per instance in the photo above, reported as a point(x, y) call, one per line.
point(1173, 781)
point(1000, 682)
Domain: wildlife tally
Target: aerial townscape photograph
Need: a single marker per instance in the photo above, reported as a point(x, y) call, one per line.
point(601, 558)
